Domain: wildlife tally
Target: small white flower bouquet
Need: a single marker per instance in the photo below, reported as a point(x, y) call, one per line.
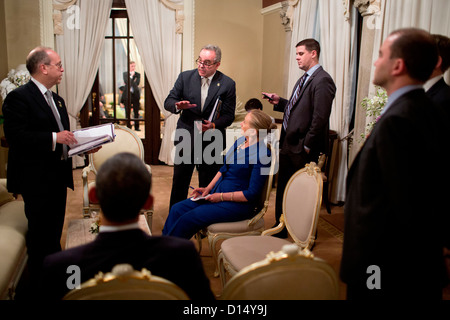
point(373, 106)
point(16, 78)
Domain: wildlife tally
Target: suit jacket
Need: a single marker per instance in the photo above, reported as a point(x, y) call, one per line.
point(172, 258)
point(188, 87)
point(440, 94)
point(309, 119)
point(134, 81)
point(29, 123)
point(393, 208)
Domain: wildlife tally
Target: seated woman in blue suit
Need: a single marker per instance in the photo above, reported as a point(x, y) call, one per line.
point(233, 193)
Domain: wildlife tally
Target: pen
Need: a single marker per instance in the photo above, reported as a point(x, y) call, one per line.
point(191, 187)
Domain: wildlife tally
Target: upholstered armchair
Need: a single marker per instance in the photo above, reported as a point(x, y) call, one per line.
point(125, 283)
point(289, 274)
point(301, 206)
point(125, 141)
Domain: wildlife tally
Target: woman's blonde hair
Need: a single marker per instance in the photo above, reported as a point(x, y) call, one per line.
point(260, 120)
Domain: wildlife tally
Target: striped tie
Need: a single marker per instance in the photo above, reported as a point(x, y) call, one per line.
point(293, 100)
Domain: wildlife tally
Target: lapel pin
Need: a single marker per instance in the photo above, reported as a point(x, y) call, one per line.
point(59, 104)
point(218, 84)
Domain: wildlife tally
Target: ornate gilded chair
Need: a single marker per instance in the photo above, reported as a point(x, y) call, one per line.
point(302, 200)
point(125, 283)
point(290, 274)
point(126, 140)
point(249, 227)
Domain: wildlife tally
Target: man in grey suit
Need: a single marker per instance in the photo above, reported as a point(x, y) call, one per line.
point(122, 188)
point(194, 96)
point(304, 133)
point(396, 218)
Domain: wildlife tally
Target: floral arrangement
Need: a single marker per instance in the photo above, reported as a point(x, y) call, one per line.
point(373, 106)
point(95, 226)
point(15, 79)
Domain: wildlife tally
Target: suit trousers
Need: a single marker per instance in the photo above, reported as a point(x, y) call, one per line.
point(290, 163)
point(45, 210)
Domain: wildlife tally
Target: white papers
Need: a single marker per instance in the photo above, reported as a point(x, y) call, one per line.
point(198, 198)
point(215, 111)
point(91, 138)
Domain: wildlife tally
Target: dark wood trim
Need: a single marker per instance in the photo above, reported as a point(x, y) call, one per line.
point(152, 141)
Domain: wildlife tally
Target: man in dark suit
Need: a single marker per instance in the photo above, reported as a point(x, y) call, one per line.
point(122, 188)
point(37, 130)
point(436, 88)
point(133, 79)
point(304, 133)
point(194, 96)
point(395, 208)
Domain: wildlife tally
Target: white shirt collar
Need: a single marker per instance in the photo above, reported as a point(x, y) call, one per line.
point(427, 86)
point(41, 87)
point(124, 227)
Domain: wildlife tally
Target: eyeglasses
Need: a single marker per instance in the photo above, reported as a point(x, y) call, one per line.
point(58, 65)
point(206, 64)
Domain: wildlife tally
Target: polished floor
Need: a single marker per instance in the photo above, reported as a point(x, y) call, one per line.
point(329, 234)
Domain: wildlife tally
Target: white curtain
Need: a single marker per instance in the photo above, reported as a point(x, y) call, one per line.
point(338, 59)
point(155, 31)
point(80, 47)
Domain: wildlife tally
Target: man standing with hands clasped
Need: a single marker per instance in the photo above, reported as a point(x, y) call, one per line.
point(304, 134)
point(194, 96)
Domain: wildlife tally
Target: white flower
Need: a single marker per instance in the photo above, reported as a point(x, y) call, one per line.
point(14, 80)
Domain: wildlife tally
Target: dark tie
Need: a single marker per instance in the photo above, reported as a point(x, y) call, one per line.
point(50, 102)
point(293, 100)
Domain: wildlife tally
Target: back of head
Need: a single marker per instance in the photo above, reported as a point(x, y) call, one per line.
point(443, 46)
point(253, 104)
point(261, 120)
point(417, 49)
point(37, 57)
point(123, 185)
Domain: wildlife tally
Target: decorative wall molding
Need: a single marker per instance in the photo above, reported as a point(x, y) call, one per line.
point(284, 9)
point(46, 23)
point(367, 7)
point(178, 6)
point(58, 6)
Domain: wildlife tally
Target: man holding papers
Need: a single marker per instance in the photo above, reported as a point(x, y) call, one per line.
point(38, 133)
point(194, 96)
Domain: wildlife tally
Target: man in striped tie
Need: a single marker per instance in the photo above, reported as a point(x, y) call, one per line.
point(304, 134)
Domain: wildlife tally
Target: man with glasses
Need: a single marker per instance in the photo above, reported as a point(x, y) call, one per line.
point(38, 133)
point(194, 96)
